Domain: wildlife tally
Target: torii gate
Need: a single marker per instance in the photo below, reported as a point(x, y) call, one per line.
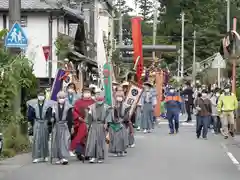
point(138, 49)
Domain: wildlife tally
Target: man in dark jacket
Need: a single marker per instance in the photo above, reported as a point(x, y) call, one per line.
point(188, 98)
point(204, 111)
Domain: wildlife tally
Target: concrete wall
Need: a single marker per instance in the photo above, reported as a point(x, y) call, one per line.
point(37, 32)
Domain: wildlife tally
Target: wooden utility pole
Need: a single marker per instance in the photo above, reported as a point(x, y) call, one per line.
point(92, 28)
point(194, 57)
point(155, 26)
point(15, 16)
point(228, 15)
point(234, 59)
point(182, 45)
point(50, 40)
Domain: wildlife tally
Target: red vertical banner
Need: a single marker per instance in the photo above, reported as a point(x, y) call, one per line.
point(137, 46)
point(46, 52)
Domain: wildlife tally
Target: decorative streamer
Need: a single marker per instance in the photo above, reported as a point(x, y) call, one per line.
point(159, 88)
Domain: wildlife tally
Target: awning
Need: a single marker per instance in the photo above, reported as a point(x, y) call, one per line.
point(81, 57)
point(72, 12)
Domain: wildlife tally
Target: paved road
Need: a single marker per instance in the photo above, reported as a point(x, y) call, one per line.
point(156, 156)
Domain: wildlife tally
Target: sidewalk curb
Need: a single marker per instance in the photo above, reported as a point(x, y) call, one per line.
point(11, 164)
point(18, 159)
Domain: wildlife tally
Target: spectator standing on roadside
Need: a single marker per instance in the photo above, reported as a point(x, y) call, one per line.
point(215, 117)
point(226, 106)
point(188, 97)
point(204, 110)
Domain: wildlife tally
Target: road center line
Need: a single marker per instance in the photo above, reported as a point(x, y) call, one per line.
point(231, 156)
point(233, 159)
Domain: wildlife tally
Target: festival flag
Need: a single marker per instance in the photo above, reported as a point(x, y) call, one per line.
point(57, 84)
point(101, 56)
point(105, 70)
point(107, 83)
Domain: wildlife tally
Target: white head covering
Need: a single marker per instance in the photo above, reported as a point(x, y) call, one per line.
point(114, 83)
point(61, 94)
point(100, 94)
point(125, 83)
point(93, 86)
point(97, 90)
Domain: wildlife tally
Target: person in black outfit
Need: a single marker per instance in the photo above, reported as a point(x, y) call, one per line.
point(188, 97)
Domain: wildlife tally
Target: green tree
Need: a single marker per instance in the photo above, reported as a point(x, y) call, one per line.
point(62, 46)
point(10, 81)
point(121, 7)
point(146, 7)
point(207, 17)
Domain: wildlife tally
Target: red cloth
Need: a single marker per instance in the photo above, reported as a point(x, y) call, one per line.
point(137, 46)
point(80, 127)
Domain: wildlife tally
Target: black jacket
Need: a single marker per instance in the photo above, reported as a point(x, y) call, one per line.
point(188, 95)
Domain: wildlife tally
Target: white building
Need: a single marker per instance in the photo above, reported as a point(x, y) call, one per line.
point(42, 22)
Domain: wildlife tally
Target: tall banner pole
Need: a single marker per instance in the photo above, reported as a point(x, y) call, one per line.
point(104, 67)
point(137, 47)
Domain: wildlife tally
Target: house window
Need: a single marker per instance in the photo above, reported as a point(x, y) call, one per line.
point(72, 29)
point(24, 21)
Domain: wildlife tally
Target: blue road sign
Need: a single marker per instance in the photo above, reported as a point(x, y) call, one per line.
point(16, 37)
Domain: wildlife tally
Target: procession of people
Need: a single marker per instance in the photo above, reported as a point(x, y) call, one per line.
point(85, 126)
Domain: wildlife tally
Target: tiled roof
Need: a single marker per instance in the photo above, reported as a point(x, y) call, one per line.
point(109, 2)
point(32, 5)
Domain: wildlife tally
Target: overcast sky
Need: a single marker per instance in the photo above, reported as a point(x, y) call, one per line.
point(131, 4)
